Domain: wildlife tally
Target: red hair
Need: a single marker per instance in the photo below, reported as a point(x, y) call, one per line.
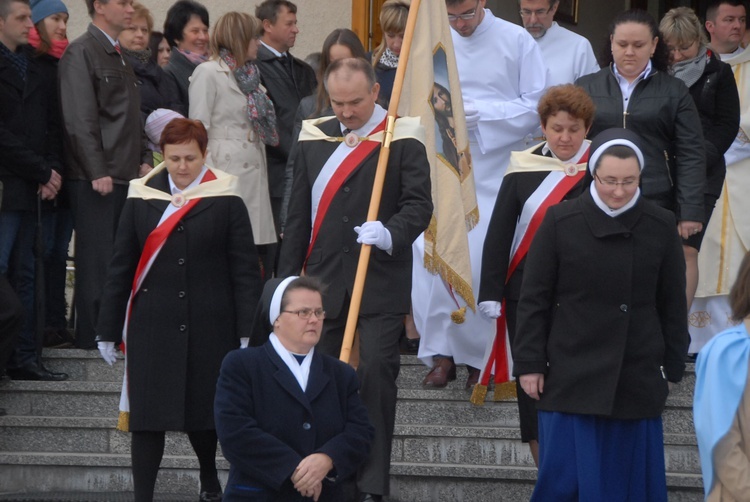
point(181, 131)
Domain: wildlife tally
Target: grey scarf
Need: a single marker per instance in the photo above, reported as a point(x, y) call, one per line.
point(690, 71)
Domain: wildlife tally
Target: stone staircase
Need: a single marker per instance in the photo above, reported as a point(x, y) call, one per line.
point(58, 442)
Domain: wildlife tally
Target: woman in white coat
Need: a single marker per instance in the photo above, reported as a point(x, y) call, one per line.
point(226, 95)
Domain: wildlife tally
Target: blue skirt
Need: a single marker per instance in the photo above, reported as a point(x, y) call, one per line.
point(584, 458)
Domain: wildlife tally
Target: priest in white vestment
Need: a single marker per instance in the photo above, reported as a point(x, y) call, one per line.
point(502, 77)
point(728, 233)
point(567, 55)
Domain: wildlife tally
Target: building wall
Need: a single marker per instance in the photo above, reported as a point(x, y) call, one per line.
point(316, 18)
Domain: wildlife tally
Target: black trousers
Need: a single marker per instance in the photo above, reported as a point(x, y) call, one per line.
point(95, 221)
point(379, 364)
point(11, 321)
point(527, 414)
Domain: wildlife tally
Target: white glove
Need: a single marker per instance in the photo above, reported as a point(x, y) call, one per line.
point(471, 113)
point(244, 342)
point(108, 352)
point(375, 234)
point(490, 309)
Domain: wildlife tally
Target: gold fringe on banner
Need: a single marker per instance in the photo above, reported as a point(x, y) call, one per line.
point(123, 421)
point(478, 395)
point(505, 391)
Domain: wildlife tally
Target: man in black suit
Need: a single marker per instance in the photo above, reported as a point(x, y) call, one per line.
point(334, 175)
point(287, 80)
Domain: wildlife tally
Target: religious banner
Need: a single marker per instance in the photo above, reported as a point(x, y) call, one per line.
point(432, 92)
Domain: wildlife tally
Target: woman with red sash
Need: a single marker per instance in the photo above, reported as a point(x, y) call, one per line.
point(179, 294)
point(536, 178)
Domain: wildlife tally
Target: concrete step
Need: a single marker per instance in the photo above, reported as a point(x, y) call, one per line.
point(70, 472)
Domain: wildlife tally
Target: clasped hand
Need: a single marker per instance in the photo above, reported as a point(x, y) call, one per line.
point(309, 474)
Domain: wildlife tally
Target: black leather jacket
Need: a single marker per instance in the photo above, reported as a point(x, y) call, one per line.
point(715, 95)
point(101, 111)
point(663, 113)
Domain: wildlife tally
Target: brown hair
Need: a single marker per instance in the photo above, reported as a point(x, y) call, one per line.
point(393, 17)
point(181, 131)
point(304, 282)
point(567, 98)
point(348, 67)
point(341, 36)
point(739, 295)
point(233, 32)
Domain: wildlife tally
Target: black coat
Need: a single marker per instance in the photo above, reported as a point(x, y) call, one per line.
point(286, 87)
point(266, 424)
point(602, 310)
point(514, 192)
point(715, 95)
point(30, 131)
point(405, 210)
point(179, 70)
point(192, 309)
point(662, 112)
point(157, 89)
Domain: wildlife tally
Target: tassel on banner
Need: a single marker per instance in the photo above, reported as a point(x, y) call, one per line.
point(505, 391)
point(478, 395)
point(123, 421)
point(459, 316)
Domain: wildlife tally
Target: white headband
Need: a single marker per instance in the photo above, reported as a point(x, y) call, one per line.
point(274, 311)
point(615, 142)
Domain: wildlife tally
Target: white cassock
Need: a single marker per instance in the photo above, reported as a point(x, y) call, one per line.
point(568, 55)
point(501, 69)
point(727, 236)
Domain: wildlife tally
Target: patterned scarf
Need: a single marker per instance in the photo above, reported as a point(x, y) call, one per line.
point(193, 57)
point(17, 59)
point(260, 110)
point(388, 59)
point(689, 71)
point(143, 56)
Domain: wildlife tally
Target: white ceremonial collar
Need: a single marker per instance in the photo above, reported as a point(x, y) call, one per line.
point(197, 181)
point(301, 371)
point(575, 159)
point(378, 114)
point(608, 210)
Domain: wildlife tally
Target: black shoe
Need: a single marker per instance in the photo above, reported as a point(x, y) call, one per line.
point(59, 374)
point(3, 412)
point(210, 497)
point(35, 372)
point(371, 497)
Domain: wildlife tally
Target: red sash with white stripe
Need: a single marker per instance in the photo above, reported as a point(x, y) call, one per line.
point(346, 168)
point(500, 347)
point(153, 245)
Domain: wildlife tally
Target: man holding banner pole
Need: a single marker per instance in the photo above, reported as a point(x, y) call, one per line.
point(327, 224)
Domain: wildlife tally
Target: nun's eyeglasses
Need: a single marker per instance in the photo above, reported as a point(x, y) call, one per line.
point(612, 183)
point(307, 313)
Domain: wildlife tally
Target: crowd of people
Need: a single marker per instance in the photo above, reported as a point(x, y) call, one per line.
point(205, 170)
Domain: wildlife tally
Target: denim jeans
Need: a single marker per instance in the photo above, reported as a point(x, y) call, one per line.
point(17, 230)
point(58, 229)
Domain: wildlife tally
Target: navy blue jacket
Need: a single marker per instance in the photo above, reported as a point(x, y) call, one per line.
point(266, 424)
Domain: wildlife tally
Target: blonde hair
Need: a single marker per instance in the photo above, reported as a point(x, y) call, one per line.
point(142, 12)
point(393, 17)
point(233, 32)
point(681, 26)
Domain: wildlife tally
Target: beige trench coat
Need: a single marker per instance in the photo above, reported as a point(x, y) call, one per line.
point(217, 101)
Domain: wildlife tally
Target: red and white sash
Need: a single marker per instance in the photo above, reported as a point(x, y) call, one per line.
point(153, 246)
point(340, 165)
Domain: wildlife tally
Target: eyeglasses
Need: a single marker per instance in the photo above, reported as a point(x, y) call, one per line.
point(627, 183)
point(307, 313)
point(464, 17)
point(525, 13)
